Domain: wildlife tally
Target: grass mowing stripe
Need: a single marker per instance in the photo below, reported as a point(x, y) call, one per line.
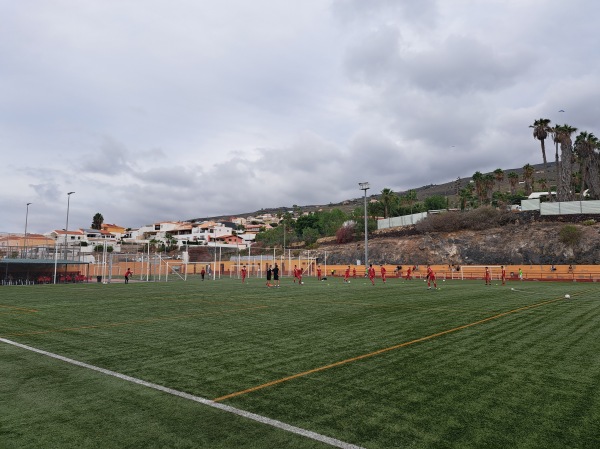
point(126, 323)
point(380, 351)
point(253, 416)
point(19, 309)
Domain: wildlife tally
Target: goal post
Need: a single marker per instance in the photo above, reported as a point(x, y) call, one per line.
point(478, 272)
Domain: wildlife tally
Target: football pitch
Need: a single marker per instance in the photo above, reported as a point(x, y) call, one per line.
point(221, 364)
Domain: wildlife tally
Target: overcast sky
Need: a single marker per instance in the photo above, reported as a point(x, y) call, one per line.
point(167, 110)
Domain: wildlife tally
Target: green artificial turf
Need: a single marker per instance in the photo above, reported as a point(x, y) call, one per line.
point(465, 366)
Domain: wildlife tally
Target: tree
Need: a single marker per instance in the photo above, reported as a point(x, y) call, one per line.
point(389, 200)
point(541, 128)
point(543, 182)
point(479, 182)
point(436, 202)
point(97, 221)
point(513, 178)
point(499, 176)
point(466, 196)
point(410, 198)
point(488, 186)
point(563, 136)
point(528, 172)
point(586, 149)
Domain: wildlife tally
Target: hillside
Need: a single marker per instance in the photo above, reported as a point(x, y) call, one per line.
point(448, 189)
point(530, 239)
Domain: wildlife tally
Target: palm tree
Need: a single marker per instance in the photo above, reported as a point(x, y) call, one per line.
point(563, 134)
point(499, 175)
point(541, 128)
point(466, 196)
point(410, 198)
point(488, 186)
point(479, 185)
point(389, 199)
point(528, 171)
point(513, 178)
point(586, 149)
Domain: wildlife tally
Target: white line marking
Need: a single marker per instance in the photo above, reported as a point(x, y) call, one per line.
point(261, 419)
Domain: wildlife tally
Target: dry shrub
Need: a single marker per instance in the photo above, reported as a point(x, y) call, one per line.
point(476, 219)
point(345, 234)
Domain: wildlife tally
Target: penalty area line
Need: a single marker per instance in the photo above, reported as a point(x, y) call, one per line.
point(226, 408)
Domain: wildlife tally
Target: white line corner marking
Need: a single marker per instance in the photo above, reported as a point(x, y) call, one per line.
point(253, 416)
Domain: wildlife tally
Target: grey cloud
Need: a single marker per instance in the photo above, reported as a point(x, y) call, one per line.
point(461, 65)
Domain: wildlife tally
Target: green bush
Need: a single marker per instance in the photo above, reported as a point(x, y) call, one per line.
point(570, 235)
point(590, 222)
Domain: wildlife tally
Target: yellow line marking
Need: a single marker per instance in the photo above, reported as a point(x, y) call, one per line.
point(21, 309)
point(380, 351)
point(125, 323)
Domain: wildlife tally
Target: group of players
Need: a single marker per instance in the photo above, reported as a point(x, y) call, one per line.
point(273, 274)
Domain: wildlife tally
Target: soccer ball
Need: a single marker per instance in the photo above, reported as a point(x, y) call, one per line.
point(348, 282)
point(567, 296)
point(302, 283)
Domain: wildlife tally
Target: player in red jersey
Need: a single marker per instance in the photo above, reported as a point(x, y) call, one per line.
point(430, 278)
point(244, 273)
point(383, 271)
point(503, 275)
point(319, 273)
point(409, 274)
point(295, 272)
point(347, 274)
point(354, 273)
point(371, 272)
point(300, 272)
point(488, 276)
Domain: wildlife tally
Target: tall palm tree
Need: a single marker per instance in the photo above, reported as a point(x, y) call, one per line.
point(513, 178)
point(541, 128)
point(563, 136)
point(499, 175)
point(488, 186)
point(543, 182)
point(410, 198)
point(389, 199)
point(466, 196)
point(477, 179)
point(586, 149)
point(528, 171)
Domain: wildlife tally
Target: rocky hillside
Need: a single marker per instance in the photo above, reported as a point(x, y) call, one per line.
point(529, 239)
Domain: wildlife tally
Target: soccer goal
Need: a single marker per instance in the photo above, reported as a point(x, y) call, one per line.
point(478, 272)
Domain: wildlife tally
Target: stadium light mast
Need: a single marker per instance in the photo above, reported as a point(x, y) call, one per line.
point(25, 236)
point(365, 186)
point(67, 224)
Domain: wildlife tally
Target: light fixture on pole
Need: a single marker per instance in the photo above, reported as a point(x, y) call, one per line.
point(67, 224)
point(365, 186)
point(25, 237)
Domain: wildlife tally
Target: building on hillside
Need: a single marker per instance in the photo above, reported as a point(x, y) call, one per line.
point(239, 221)
point(71, 238)
point(230, 240)
point(95, 237)
point(19, 240)
point(117, 231)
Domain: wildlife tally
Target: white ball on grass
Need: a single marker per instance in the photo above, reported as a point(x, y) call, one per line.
point(567, 296)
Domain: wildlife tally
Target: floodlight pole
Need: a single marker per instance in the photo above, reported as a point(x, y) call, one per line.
point(25, 237)
point(67, 224)
point(365, 186)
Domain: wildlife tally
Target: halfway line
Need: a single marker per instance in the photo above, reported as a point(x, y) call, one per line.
point(226, 408)
point(380, 351)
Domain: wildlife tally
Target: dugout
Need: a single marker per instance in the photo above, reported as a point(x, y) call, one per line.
point(15, 271)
